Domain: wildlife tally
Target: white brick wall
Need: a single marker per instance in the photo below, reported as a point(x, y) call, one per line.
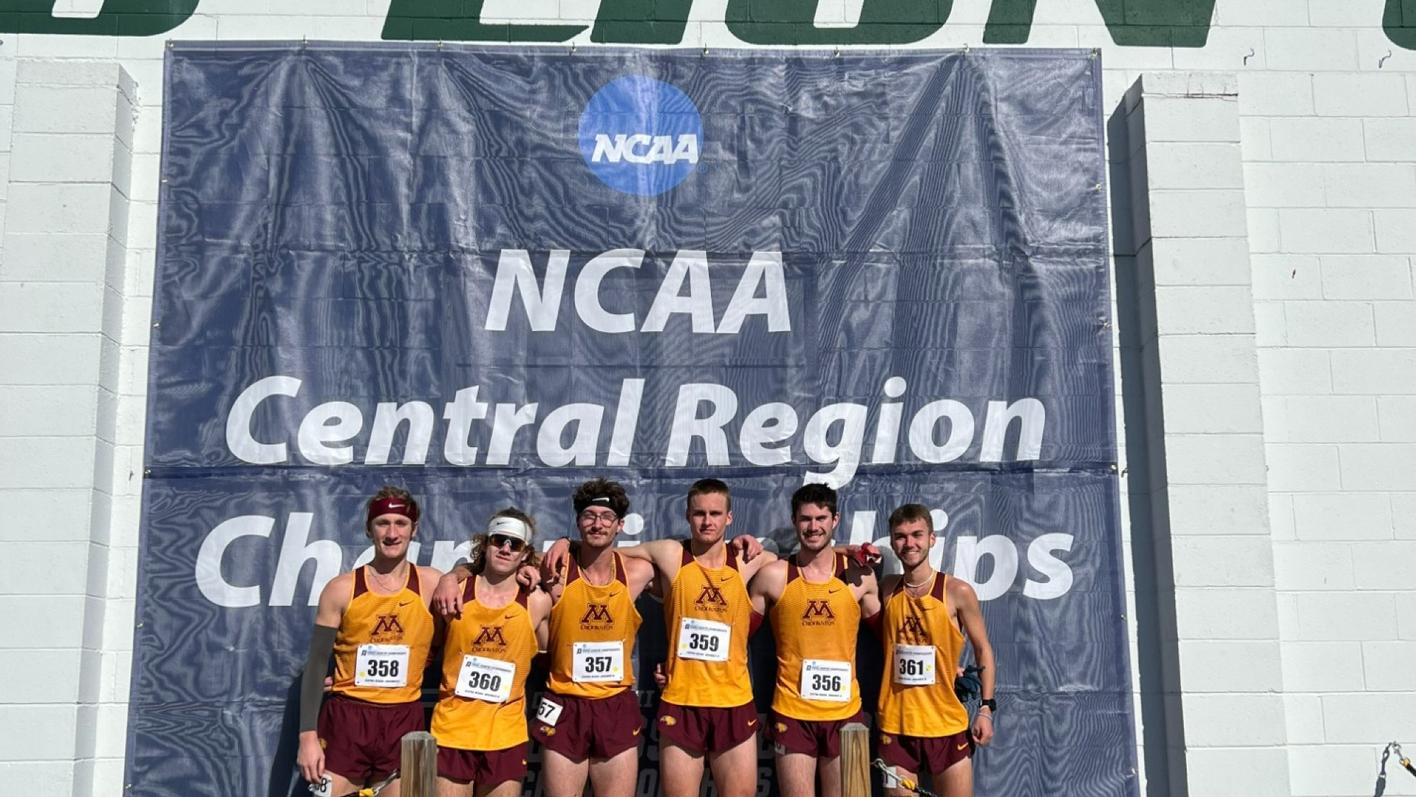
point(1323, 189)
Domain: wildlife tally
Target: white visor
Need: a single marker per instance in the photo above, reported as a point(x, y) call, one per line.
point(510, 527)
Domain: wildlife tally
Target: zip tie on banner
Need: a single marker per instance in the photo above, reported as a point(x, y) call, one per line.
point(1401, 759)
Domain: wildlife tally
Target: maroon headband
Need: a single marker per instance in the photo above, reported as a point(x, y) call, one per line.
point(396, 506)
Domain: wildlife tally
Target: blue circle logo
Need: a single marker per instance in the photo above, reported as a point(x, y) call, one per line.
point(640, 135)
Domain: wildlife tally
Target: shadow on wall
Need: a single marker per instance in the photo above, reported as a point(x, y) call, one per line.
point(1157, 655)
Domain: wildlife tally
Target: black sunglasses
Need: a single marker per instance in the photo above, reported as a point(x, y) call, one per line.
point(501, 540)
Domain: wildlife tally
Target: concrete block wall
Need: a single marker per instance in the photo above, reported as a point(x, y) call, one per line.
point(1317, 450)
point(63, 303)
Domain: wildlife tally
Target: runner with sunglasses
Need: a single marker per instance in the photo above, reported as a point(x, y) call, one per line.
point(589, 722)
point(375, 621)
point(480, 718)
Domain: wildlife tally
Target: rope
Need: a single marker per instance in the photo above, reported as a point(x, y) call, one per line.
point(1400, 758)
point(905, 783)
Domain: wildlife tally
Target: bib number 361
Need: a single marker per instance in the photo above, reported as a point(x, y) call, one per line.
point(914, 665)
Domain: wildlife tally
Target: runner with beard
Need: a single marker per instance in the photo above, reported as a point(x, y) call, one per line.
point(925, 619)
point(816, 599)
point(376, 622)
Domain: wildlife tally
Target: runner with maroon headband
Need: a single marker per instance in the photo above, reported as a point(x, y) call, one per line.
point(376, 622)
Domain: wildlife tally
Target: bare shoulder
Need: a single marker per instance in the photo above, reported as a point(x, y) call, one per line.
point(428, 577)
point(961, 592)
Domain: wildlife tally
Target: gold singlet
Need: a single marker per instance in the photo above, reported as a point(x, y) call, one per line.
point(708, 615)
point(815, 627)
point(592, 635)
point(922, 648)
point(486, 656)
point(382, 644)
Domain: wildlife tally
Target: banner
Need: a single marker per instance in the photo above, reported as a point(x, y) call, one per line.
point(488, 275)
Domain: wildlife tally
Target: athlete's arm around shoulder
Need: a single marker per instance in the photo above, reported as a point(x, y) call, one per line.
point(665, 555)
point(638, 573)
point(865, 587)
point(538, 605)
point(750, 568)
point(765, 588)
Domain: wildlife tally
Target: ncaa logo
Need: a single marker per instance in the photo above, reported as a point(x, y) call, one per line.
point(640, 135)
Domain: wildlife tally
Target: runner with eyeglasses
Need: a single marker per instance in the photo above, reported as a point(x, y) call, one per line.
point(706, 715)
point(589, 722)
point(480, 718)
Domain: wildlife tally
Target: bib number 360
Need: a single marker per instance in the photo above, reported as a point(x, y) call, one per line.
point(485, 679)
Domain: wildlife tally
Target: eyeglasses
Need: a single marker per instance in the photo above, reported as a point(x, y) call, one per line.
point(591, 516)
point(503, 541)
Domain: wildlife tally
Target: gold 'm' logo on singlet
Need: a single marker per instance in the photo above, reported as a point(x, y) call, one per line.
point(490, 635)
point(911, 627)
point(597, 613)
point(711, 598)
point(387, 625)
point(818, 612)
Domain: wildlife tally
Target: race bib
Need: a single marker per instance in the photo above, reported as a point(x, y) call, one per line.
point(823, 679)
point(381, 666)
point(597, 662)
point(485, 679)
point(703, 640)
point(548, 713)
point(914, 665)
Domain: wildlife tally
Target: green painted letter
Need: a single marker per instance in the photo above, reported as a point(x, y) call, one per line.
point(778, 22)
point(461, 21)
point(1132, 23)
point(1399, 22)
point(117, 18)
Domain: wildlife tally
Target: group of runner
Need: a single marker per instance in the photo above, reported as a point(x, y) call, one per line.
point(380, 621)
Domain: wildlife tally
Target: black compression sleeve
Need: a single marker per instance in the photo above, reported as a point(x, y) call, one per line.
point(312, 682)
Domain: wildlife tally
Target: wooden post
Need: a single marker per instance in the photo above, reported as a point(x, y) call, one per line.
point(855, 760)
point(418, 777)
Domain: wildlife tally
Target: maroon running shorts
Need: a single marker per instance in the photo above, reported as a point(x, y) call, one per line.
point(485, 768)
point(707, 730)
point(818, 738)
point(589, 727)
point(936, 754)
point(362, 741)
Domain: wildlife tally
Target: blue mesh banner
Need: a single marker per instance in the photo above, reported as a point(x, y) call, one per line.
point(488, 275)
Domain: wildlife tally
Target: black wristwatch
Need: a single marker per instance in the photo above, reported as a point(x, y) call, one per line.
point(990, 704)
